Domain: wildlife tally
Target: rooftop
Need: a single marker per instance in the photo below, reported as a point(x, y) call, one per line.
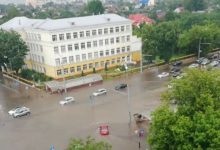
point(56, 24)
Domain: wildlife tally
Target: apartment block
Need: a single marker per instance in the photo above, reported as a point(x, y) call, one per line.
point(66, 47)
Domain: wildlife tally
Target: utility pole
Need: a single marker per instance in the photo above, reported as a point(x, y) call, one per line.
point(199, 51)
point(129, 105)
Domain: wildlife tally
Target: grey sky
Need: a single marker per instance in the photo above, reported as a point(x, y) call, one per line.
point(12, 1)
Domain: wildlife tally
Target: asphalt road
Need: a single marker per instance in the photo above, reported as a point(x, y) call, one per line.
point(53, 124)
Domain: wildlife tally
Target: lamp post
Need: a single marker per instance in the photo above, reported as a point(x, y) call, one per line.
point(129, 104)
point(199, 49)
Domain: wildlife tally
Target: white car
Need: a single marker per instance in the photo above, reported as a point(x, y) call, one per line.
point(193, 66)
point(21, 112)
point(205, 61)
point(214, 63)
point(99, 92)
point(11, 112)
point(163, 74)
point(67, 100)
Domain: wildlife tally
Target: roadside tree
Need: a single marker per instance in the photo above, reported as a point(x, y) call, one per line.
point(13, 50)
point(95, 7)
point(193, 123)
point(88, 144)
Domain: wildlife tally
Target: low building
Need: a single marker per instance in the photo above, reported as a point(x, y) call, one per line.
point(138, 19)
point(66, 47)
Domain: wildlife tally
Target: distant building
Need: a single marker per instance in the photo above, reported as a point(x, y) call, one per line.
point(179, 10)
point(138, 19)
point(66, 47)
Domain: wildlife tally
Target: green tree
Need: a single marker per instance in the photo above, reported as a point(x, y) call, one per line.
point(12, 12)
point(95, 7)
point(13, 50)
point(194, 5)
point(89, 144)
point(194, 122)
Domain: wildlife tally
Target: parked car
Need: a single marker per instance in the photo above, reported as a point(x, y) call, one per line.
point(175, 70)
point(163, 74)
point(67, 100)
point(205, 61)
point(21, 112)
point(12, 111)
point(104, 130)
point(175, 74)
point(100, 92)
point(214, 63)
point(177, 63)
point(200, 60)
point(194, 65)
point(121, 86)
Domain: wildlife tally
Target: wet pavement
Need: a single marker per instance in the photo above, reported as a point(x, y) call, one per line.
point(52, 124)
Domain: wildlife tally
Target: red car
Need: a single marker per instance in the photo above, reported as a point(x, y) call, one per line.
point(104, 130)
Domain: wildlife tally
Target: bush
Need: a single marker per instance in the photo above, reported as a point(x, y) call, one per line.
point(33, 75)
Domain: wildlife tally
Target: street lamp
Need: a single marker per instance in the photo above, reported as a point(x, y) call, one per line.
point(199, 49)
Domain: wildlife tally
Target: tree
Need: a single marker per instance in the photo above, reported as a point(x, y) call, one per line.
point(194, 5)
point(12, 12)
point(13, 50)
point(89, 144)
point(195, 121)
point(95, 7)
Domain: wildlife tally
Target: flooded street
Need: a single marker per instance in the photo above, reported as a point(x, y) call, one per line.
point(53, 124)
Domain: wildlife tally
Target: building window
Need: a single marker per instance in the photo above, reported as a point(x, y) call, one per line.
point(101, 53)
point(41, 48)
point(78, 68)
point(123, 39)
point(89, 55)
point(56, 50)
point(57, 61)
point(122, 28)
point(81, 34)
point(54, 37)
point(112, 40)
point(96, 54)
point(128, 38)
point(118, 50)
point(128, 58)
point(87, 33)
point(90, 66)
point(63, 49)
point(71, 59)
point(107, 62)
point(100, 42)
point(65, 71)
point(72, 69)
point(106, 52)
point(102, 64)
point(123, 49)
point(61, 37)
point(117, 40)
point(128, 48)
point(88, 44)
point(64, 60)
point(118, 60)
point(75, 35)
point(113, 61)
point(106, 41)
point(94, 43)
point(111, 30)
point(59, 72)
point(42, 59)
point(83, 46)
point(83, 56)
point(123, 59)
point(112, 51)
point(68, 36)
point(116, 29)
point(106, 31)
point(127, 27)
point(85, 67)
point(77, 58)
point(100, 31)
point(76, 46)
point(70, 48)
point(96, 64)
point(93, 32)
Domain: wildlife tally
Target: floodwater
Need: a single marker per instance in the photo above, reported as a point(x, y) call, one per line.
point(52, 124)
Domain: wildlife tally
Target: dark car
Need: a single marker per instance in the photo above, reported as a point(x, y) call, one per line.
point(177, 63)
point(176, 74)
point(175, 70)
point(120, 86)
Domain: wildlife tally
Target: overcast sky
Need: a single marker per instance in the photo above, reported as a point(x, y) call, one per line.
point(12, 1)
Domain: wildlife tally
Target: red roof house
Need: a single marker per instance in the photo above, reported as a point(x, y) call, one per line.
point(139, 19)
